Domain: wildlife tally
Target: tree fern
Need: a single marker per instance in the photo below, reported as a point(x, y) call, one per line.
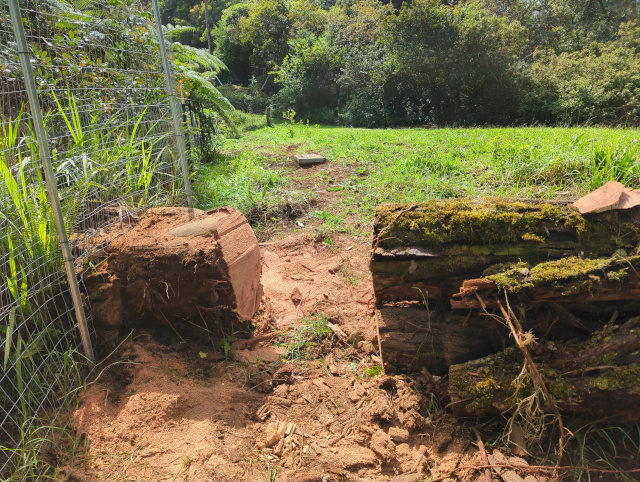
point(185, 54)
point(198, 68)
point(203, 91)
point(174, 31)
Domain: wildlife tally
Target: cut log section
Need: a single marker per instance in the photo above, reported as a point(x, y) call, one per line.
point(599, 377)
point(603, 199)
point(442, 243)
point(178, 262)
point(413, 338)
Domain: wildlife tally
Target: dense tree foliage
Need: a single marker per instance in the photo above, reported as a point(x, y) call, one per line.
point(375, 63)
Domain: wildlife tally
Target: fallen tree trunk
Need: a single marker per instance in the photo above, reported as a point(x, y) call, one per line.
point(178, 262)
point(600, 376)
point(557, 300)
point(442, 243)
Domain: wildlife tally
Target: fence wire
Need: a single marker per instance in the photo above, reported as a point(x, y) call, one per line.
point(101, 87)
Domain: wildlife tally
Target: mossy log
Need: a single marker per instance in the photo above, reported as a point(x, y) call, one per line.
point(178, 262)
point(442, 243)
point(599, 377)
point(568, 280)
point(413, 338)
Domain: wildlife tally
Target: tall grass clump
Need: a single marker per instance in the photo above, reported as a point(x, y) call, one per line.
point(613, 162)
point(39, 362)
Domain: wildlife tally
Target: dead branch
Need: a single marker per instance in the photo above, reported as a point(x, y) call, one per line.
point(483, 454)
point(525, 352)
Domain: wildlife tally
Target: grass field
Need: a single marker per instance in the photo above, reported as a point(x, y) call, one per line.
point(255, 172)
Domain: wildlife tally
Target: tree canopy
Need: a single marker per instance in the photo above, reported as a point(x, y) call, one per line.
point(375, 63)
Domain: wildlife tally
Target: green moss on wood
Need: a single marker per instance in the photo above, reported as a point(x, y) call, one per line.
point(496, 221)
point(492, 383)
point(563, 271)
point(617, 379)
point(534, 238)
point(488, 382)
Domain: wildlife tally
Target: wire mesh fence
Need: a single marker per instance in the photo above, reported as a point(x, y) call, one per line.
point(107, 119)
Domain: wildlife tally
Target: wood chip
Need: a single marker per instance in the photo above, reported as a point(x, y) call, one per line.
point(517, 440)
point(278, 450)
point(338, 331)
point(291, 427)
point(262, 414)
point(511, 476)
point(398, 435)
point(602, 199)
point(283, 402)
point(629, 198)
point(518, 462)
point(319, 382)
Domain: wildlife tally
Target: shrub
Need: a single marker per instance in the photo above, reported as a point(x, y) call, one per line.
point(600, 84)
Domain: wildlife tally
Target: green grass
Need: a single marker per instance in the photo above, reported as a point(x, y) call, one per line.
point(411, 165)
point(304, 342)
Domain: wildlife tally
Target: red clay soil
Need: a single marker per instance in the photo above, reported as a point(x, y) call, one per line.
point(161, 413)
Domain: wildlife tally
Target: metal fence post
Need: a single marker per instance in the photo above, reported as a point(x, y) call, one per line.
point(52, 188)
point(175, 110)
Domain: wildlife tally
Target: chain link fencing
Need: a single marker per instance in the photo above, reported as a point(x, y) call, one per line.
point(107, 118)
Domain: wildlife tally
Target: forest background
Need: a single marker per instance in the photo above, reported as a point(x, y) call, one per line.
point(373, 63)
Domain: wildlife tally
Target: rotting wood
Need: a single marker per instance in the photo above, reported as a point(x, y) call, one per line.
point(178, 262)
point(575, 374)
point(419, 338)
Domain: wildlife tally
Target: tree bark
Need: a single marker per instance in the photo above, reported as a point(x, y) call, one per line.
point(412, 338)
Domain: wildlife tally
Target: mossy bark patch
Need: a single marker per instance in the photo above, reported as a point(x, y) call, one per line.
point(496, 221)
point(559, 272)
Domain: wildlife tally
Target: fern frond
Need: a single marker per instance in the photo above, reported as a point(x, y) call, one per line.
point(204, 92)
point(198, 58)
point(174, 31)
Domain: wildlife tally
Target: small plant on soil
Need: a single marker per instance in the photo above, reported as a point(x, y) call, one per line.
point(306, 341)
point(330, 223)
point(373, 371)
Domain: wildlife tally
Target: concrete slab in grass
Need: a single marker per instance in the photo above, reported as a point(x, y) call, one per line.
point(308, 159)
